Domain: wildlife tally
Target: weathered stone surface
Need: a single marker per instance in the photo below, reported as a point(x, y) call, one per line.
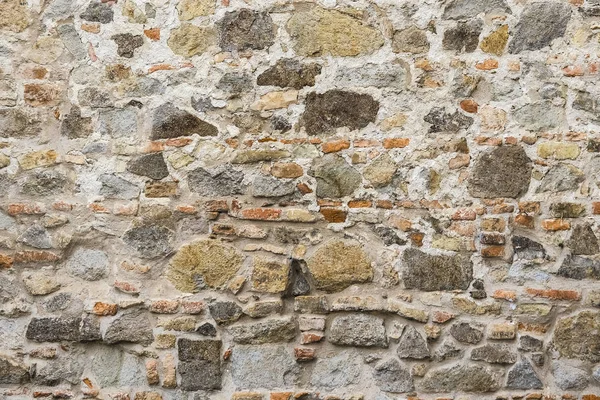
point(467, 9)
point(19, 122)
point(88, 264)
point(337, 265)
point(132, 326)
point(337, 108)
point(190, 40)
point(150, 165)
point(40, 283)
point(578, 336)
point(222, 181)
point(358, 330)
point(541, 116)
point(278, 368)
point(127, 43)
point(268, 186)
point(98, 12)
point(502, 172)
point(583, 241)
point(75, 126)
point(225, 312)
point(118, 122)
point(201, 264)
point(410, 40)
point(335, 177)
point(539, 25)
point(36, 236)
point(430, 272)
point(106, 365)
point(465, 332)
point(246, 29)
point(412, 345)
point(290, 73)
point(495, 42)
point(269, 276)
point(444, 121)
point(560, 178)
point(149, 240)
point(577, 267)
point(381, 171)
point(568, 377)
point(54, 329)
point(269, 331)
point(391, 376)
point(13, 372)
point(190, 9)
point(114, 187)
point(464, 37)
point(461, 377)
point(336, 371)
point(392, 76)
point(171, 122)
point(321, 32)
point(14, 16)
point(495, 354)
point(523, 377)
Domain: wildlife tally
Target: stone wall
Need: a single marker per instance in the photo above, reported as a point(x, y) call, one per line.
point(299, 200)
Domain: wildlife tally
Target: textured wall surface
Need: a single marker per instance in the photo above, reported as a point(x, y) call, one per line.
point(299, 200)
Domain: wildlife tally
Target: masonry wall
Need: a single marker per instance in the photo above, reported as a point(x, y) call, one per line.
point(299, 200)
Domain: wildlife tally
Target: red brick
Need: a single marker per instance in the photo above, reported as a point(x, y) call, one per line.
point(308, 337)
point(360, 203)
point(192, 307)
point(502, 294)
point(492, 251)
point(104, 309)
point(556, 224)
point(35, 256)
point(441, 317)
point(164, 306)
point(25, 209)
point(304, 354)
point(487, 65)
point(281, 395)
point(126, 287)
point(333, 215)
point(464, 214)
point(335, 146)
point(262, 214)
point(216, 205)
point(596, 208)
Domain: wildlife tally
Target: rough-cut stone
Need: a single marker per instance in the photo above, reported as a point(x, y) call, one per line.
point(495, 42)
point(88, 264)
point(278, 368)
point(539, 25)
point(190, 9)
point(321, 32)
point(114, 187)
point(269, 331)
point(467, 9)
point(269, 276)
point(225, 312)
point(583, 241)
point(578, 336)
point(14, 15)
point(334, 109)
point(381, 171)
point(560, 178)
point(392, 76)
point(461, 377)
point(150, 165)
point(495, 354)
point(189, 40)
point(465, 332)
point(75, 126)
point(448, 122)
point(44, 183)
point(290, 73)
point(358, 330)
point(40, 283)
point(98, 11)
point(222, 181)
point(336, 371)
point(246, 29)
point(541, 116)
point(13, 372)
point(171, 122)
point(268, 186)
point(412, 345)
point(502, 172)
point(568, 377)
point(36, 236)
point(464, 37)
point(523, 377)
point(432, 272)
point(127, 43)
point(200, 364)
point(391, 376)
point(149, 240)
point(201, 264)
point(577, 267)
point(18, 122)
point(337, 265)
point(410, 40)
point(335, 177)
point(132, 326)
point(54, 329)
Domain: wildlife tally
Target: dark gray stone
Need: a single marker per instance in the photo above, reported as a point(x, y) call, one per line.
point(199, 375)
point(523, 377)
point(75, 126)
point(221, 181)
point(225, 312)
point(149, 240)
point(464, 37)
point(246, 29)
point(358, 330)
point(235, 83)
point(432, 272)
point(98, 12)
point(539, 25)
point(36, 236)
point(391, 376)
point(583, 241)
point(278, 368)
point(53, 329)
point(578, 267)
point(561, 178)
point(150, 165)
point(388, 236)
point(269, 186)
point(461, 377)
point(127, 43)
point(335, 177)
point(334, 109)
point(525, 248)
point(13, 372)
point(290, 73)
point(88, 264)
point(412, 345)
point(586, 101)
point(171, 122)
point(114, 187)
point(269, 331)
point(529, 343)
point(466, 332)
point(448, 122)
point(94, 97)
point(468, 9)
point(410, 40)
point(207, 350)
point(494, 354)
point(207, 329)
point(132, 326)
point(502, 172)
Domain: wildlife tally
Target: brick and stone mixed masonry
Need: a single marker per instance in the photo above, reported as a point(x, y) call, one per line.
point(300, 200)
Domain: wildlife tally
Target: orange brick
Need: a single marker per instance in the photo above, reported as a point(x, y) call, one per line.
point(6, 261)
point(25, 209)
point(399, 222)
point(90, 28)
point(186, 209)
point(126, 287)
point(360, 203)
point(487, 65)
point(304, 354)
point(216, 205)
point(104, 309)
point(35, 256)
point(308, 337)
point(281, 395)
point(333, 215)
point(62, 206)
point(417, 238)
point(590, 397)
point(335, 146)
point(160, 67)
point(525, 221)
point(395, 143)
point(503, 208)
point(469, 106)
point(99, 208)
point(492, 251)
point(464, 214)
point(502, 294)
point(304, 188)
point(511, 140)
point(386, 204)
point(532, 207)
point(262, 214)
point(555, 294)
point(556, 224)
point(152, 33)
point(596, 208)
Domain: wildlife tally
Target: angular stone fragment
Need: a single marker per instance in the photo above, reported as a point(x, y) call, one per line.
point(567, 210)
point(290, 73)
point(467, 9)
point(207, 329)
point(373, 75)
point(334, 109)
point(246, 29)
point(269, 276)
point(579, 336)
point(560, 178)
point(530, 343)
point(75, 126)
point(568, 377)
point(461, 377)
point(189, 40)
point(391, 376)
point(278, 368)
point(447, 122)
point(14, 15)
point(337, 265)
point(577, 267)
point(269, 331)
point(200, 364)
point(410, 40)
point(190, 9)
point(412, 345)
point(98, 11)
point(149, 240)
point(381, 171)
point(114, 187)
point(539, 25)
point(336, 371)
point(127, 43)
point(335, 177)
point(358, 330)
point(431, 272)
point(225, 312)
point(320, 32)
point(189, 350)
point(118, 122)
point(502, 172)
point(268, 186)
point(465, 332)
point(464, 37)
point(132, 326)
point(40, 283)
point(446, 351)
point(222, 181)
point(523, 377)
point(171, 122)
point(494, 354)
point(540, 116)
point(54, 329)
point(19, 122)
point(587, 102)
point(88, 264)
point(36, 236)
point(204, 263)
point(583, 240)
point(496, 41)
point(13, 372)
point(264, 308)
point(150, 165)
